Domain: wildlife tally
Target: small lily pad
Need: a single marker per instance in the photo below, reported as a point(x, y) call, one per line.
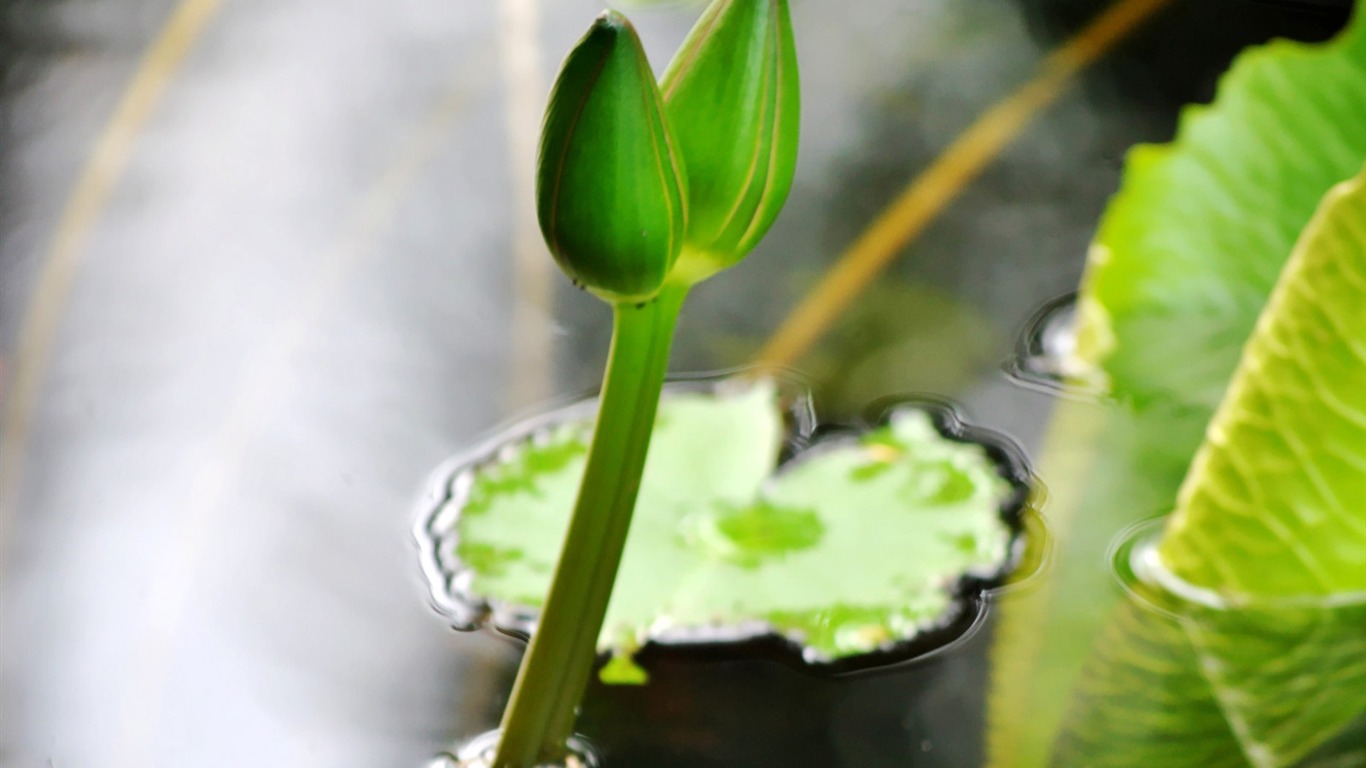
point(855, 545)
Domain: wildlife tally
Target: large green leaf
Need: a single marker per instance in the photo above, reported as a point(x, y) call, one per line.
point(851, 547)
point(1267, 549)
point(1275, 503)
point(1190, 248)
point(1184, 261)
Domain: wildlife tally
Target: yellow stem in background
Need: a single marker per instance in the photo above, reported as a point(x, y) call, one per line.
point(930, 192)
point(1075, 425)
point(245, 419)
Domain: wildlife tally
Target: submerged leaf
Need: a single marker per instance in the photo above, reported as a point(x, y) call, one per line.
point(839, 560)
point(1141, 701)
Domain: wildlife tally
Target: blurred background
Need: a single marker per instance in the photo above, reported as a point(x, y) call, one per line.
point(264, 265)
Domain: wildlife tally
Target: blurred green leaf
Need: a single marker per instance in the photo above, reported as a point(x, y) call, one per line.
point(611, 191)
point(1142, 701)
point(1275, 503)
point(1190, 247)
point(1270, 529)
point(1105, 468)
point(852, 547)
point(1185, 259)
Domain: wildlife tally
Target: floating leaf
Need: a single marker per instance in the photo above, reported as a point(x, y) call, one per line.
point(853, 546)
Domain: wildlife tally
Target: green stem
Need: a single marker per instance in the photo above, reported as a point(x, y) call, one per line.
point(539, 718)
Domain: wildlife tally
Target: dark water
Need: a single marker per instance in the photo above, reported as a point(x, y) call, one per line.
point(238, 329)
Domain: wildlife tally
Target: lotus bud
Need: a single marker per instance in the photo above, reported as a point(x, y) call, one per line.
point(611, 191)
point(732, 97)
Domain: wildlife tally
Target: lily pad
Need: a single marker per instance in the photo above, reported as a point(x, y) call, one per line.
point(856, 544)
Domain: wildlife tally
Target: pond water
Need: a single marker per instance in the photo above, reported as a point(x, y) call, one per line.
point(245, 310)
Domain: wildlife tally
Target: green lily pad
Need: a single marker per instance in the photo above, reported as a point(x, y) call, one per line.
point(855, 545)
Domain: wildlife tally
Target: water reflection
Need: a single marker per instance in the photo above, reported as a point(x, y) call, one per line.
point(1177, 682)
point(479, 752)
point(1090, 669)
point(1046, 356)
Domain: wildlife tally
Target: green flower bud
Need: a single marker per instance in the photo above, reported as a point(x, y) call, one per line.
point(732, 96)
point(610, 188)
